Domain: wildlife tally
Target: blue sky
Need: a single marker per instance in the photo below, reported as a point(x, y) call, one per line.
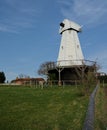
point(29, 32)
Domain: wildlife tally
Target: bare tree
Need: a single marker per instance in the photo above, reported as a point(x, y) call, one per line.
point(45, 67)
point(23, 76)
point(91, 79)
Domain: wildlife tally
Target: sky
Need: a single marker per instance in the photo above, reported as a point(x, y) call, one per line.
point(29, 33)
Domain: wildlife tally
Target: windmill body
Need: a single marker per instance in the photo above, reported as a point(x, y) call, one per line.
point(70, 52)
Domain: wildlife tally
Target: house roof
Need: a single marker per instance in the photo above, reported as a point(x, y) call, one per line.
point(27, 79)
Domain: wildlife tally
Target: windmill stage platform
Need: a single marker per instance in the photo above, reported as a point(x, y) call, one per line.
point(71, 73)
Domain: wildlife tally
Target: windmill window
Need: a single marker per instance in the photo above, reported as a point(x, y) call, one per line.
point(62, 24)
point(77, 46)
point(69, 31)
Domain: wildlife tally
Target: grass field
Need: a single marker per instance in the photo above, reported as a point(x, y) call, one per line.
point(56, 108)
point(101, 109)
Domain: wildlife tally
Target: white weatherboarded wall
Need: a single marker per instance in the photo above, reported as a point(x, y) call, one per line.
point(70, 52)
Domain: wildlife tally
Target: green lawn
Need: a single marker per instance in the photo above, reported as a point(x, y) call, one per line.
point(101, 109)
point(56, 108)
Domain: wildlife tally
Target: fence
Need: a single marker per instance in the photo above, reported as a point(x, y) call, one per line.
point(55, 83)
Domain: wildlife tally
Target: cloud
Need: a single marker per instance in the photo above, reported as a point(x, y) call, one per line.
point(85, 11)
point(6, 28)
point(101, 58)
point(18, 14)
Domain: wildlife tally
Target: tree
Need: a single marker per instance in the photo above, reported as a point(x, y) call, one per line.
point(23, 76)
point(90, 80)
point(2, 77)
point(102, 78)
point(45, 67)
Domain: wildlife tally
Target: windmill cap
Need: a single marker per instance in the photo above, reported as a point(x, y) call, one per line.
point(69, 25)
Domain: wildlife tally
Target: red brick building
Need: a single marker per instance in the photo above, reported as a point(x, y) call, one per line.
point(27, 81)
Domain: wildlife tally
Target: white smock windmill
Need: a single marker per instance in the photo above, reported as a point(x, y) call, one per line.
point(70, 52)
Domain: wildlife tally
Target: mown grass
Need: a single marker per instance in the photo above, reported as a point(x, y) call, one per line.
point(101, 109)
point(56, 108)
